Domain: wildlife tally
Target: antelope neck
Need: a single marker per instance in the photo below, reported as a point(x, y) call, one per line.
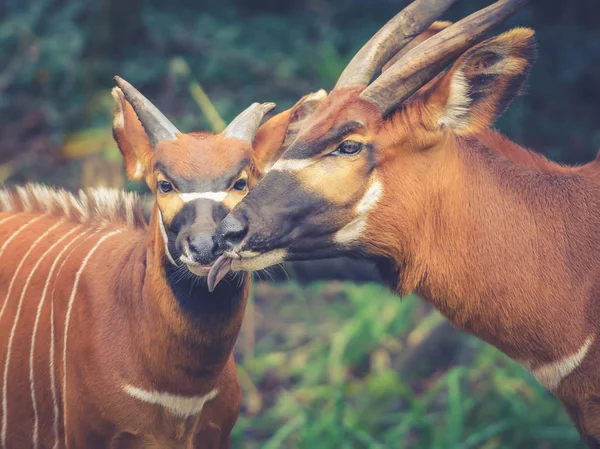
point(504, 251)
point(184, 334)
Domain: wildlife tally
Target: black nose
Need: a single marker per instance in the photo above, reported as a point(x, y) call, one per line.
point(233, 230)
point(201, 246)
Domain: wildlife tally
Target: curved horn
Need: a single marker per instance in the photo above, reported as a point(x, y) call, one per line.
point(394, 35)
point(434, 29)
point(422, 63)
point(157, 126)
point(245, 125)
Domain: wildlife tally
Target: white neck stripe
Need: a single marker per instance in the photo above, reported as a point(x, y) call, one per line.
point(213, 196)
point(552, 374)
point(180, 406)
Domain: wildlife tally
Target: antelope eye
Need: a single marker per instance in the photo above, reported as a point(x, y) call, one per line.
point(348, 148)
point(241, 184)
point(165, 186)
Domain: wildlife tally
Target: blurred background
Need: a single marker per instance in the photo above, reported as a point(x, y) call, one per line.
point(324, 362)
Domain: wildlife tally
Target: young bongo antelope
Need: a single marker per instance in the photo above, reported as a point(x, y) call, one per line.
point(109, 335)
point(501, 240)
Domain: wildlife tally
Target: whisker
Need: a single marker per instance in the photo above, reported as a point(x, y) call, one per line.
point(282, 267)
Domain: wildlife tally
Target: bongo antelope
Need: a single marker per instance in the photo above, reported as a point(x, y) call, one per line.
point(406, 171)
point(109, 336)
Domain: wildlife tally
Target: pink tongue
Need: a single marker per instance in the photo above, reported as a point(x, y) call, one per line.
point(218, 271)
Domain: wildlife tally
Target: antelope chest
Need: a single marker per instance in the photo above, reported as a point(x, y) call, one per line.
point(167, 420)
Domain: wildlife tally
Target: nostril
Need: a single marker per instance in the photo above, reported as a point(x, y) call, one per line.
point(201, 247)
point(233, 230)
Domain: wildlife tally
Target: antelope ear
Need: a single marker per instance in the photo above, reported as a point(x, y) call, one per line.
point(131, 138)
point(278, 133)
point(482, 83)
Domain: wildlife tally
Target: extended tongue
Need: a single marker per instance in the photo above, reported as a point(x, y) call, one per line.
point(218, 271)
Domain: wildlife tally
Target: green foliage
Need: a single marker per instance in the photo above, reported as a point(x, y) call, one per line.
point(329, 367)
point(326, 363)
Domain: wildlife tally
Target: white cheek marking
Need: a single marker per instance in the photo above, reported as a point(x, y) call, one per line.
point(180, 406)
point(353, 230)
point(291, 164)
point(252, 261)
point(371, 197)
point(163, 232)
point(552, 374)
point(214, 196)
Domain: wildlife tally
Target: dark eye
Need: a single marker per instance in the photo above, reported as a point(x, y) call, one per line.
point(348, 148)
point(241, 184)
point(165, 186)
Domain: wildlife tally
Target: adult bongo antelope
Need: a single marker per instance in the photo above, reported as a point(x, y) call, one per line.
point(109, 335)
point(407, 172)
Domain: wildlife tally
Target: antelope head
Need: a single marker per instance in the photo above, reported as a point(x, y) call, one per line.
point(197, 178)
point(368, 152)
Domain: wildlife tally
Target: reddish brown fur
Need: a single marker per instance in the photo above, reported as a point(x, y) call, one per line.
point(499, 239)
point(125, 326)
point(502, 241)
point(219, 155)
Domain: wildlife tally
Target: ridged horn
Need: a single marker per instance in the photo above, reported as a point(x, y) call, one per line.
point(398, 32)
point(426, 60)
point(157, 126)
point(245, 125)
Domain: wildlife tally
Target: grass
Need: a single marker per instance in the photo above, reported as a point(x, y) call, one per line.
point(334, 365)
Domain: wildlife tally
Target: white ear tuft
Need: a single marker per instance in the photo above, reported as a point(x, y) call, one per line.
point(118, 119)
point(456, 111)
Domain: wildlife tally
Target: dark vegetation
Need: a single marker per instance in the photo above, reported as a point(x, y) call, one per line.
point(323, 364)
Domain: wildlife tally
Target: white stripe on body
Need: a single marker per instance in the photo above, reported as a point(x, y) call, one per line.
point(52, 339)
point(37, 318)
point(6, 243)
point(10, 217)
point(180, 406)
point(53, 377)
point(15, 323)
point(68, 318)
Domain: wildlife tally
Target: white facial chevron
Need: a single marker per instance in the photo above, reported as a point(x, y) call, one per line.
point(213, 196)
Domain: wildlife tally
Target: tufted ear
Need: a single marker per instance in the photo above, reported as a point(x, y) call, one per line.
point(131, 138)
point(482, 83)
point(278, 133)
